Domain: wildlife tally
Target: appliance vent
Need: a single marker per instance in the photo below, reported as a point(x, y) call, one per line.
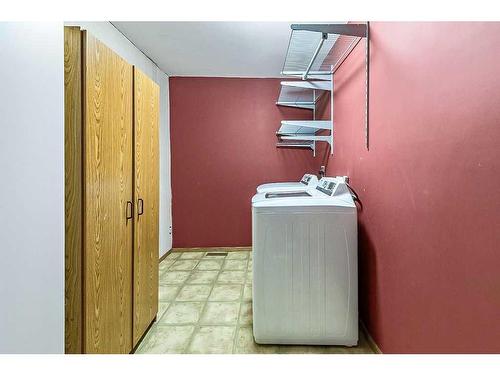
point(218, 254)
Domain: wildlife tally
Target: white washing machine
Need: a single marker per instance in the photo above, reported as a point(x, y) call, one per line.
point(307, 181)
point(305, 283)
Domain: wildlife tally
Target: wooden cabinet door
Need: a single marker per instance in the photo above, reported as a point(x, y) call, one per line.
point(146, 196)
point(73, 190)
point(107, 169)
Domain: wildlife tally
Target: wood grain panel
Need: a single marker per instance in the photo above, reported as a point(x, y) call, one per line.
point(73, 190)
point(146, 187)
point(108, 186)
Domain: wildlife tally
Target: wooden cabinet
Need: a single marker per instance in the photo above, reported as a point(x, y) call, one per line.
point(112, 194)
point(107, 171)
point(146, 196)
point(73, 197)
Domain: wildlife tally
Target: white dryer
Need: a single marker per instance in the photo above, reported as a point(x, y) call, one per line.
point(305, 283)
point(307, 181)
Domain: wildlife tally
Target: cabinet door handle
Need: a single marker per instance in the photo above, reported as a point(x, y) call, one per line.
point(140, 207)
point(130, 208)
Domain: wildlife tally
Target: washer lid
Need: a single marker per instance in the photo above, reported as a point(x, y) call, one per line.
point(287, 194)
point(281, 186)
point(307, 181)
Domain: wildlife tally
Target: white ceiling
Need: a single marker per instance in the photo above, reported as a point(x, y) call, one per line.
point(212, 49)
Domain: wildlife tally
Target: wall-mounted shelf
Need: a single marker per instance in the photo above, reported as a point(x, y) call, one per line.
point(303, 130)
point(297, 144)
point(302, 94)
point(322, 138)
point(315, 52)
point(296, 97)
point(311, 85)
point(303, 127)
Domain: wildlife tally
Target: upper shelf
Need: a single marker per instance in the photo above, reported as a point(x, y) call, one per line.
point(316, 50)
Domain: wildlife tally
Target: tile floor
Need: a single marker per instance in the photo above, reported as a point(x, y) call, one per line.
point(205, 306)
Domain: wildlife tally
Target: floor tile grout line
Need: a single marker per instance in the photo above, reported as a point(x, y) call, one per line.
point(199, 323)
point(180, 286)
point(196, 324)
point(155, 324)
point(202, 312)
point(237, 329)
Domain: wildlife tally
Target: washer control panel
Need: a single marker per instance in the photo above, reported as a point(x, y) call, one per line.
point(327, 185)
point(308, 179)
point(305, 179)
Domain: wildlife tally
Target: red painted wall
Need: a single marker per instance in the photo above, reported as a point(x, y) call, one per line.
point(223, 146)
point(430, 183)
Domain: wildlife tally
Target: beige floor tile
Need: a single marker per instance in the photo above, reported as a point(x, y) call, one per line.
point(192, 255)
point(202, 277)
point(174, 277)
point(238, 265)
point(209, 264)
point(231, 277)
point(225, 292)
point(346, 350)
point(302, 349)
point(182, 313)
point(167, 292)
point(162, 307)
point(213, 249)
point(214, 340)
point(173, 255)
point(247, 292)
point(193, 293)
point(183, 265)
point(167, 339)
point(220, 313)
point(165, 264)
point(245, 343)
point(245, 313)
point(249, 266)
point(237, 255)
point(320, 349)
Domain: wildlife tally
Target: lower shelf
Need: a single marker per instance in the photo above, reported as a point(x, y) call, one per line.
point(298, 144)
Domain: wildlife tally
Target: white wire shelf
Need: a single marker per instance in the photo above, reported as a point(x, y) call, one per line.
point(316, 50)
point(305, 137)
point(302, 94)
point(298, 104)
point(296, 144)
point(299, 97)
point(303, 127)
point(311, 85)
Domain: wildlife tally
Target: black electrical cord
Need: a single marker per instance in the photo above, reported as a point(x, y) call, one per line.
point(354, 195)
